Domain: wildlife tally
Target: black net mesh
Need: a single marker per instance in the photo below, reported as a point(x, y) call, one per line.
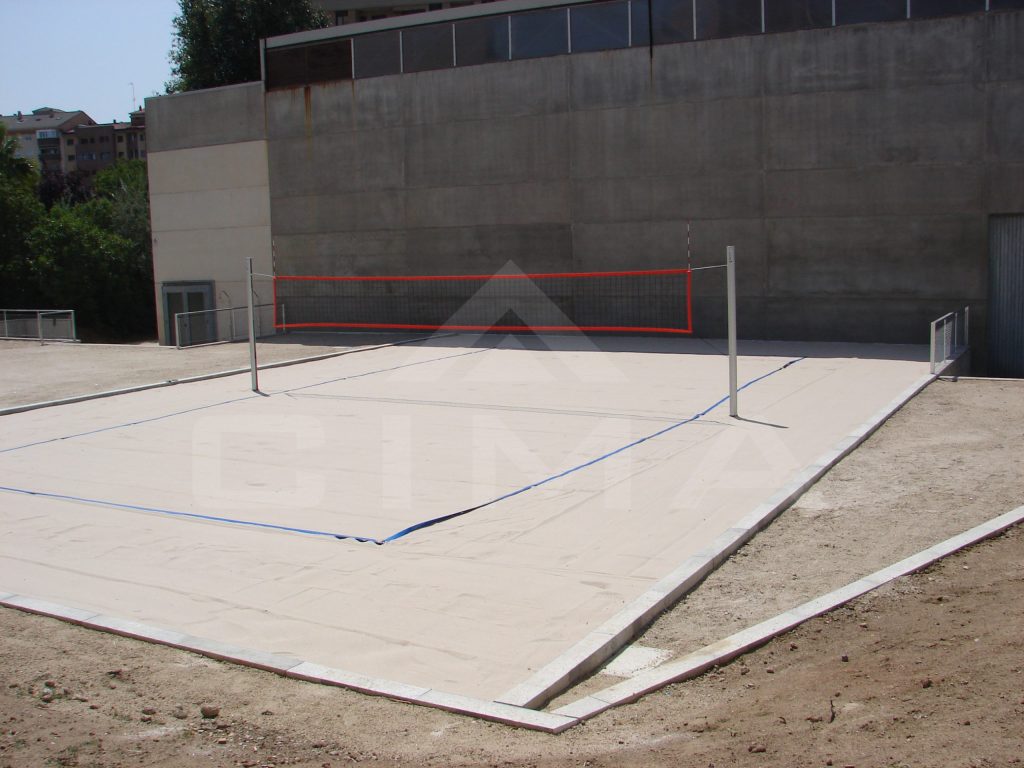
point(655, 301)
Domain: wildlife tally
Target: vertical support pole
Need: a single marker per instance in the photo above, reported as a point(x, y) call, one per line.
point(6, 331)
point(967, 327)
point(74, 329)
point(730, 280)
point(931, 349)
point(252, 327)
point(284, 319)
point(39, 326)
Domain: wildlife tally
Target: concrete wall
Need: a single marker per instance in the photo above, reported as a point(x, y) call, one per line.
point(209, 192)
point(854, 168)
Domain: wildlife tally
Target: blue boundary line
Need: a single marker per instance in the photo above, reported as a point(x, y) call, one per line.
point(126, 424)
point(229, 402)
point(584, 465)
point(412, 528)
point(175, 513)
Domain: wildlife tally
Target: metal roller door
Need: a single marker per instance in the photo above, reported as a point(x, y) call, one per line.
point(1006, 296)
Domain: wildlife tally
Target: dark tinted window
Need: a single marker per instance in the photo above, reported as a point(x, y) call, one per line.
point(377, 54)
point(640, 18)
point(481, 41)
point(864, 11)
point(540, 33)
point(923, 9)
point(725, 18)
point(785, 15)
point(427, 48)
point(301, 65)
point(1005, 5)
point(599, 27)
point(672, 21)
point(286, 67)
point(329, 61)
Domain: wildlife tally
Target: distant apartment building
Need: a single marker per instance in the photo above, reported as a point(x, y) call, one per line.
point(352, 11)
point(40, 134)
point(89, 149)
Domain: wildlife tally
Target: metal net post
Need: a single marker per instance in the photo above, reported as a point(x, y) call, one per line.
point(252, 327)
point(730, 277)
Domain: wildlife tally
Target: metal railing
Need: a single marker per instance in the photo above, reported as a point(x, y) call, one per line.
point(41, 325)
point(949, 339)
point(220, 326)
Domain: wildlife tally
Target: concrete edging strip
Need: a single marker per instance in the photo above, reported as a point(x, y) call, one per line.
point(203, 377)
point(287, 666)
point(739, 643)
point(606, 640)
point(551, 722)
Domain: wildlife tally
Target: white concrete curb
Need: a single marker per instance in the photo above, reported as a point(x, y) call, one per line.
point(606, 640)
point(725, 650)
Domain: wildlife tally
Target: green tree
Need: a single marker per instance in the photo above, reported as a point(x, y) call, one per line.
point(217, 41)
point(20, 212)
point(81, 264)
point(126, 186)
point(12, 167)
point(95, 257)
point(92, 255)
point(58, 187)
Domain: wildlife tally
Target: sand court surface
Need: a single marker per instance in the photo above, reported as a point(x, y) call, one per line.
point(300, 521)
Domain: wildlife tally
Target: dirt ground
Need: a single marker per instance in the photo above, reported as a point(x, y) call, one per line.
point(927, 671)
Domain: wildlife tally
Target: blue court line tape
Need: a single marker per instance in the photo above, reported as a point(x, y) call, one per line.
point(412, 528)
point(229, 402)
point(127, 424)
point(584, 465)
point(178, 513)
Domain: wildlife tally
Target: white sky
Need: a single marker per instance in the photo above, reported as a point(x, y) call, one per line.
point(83, 54)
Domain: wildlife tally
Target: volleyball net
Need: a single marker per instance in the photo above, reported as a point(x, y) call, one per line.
point(653, 301)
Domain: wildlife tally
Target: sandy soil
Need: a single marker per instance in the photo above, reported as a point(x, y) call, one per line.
point(933, 672)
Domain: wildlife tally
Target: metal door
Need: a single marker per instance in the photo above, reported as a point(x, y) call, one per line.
point(1006, 296)
point(189, 297)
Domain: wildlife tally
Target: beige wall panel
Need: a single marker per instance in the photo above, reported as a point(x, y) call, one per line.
point(224, 166)
point(211, 254)
point(211, 209)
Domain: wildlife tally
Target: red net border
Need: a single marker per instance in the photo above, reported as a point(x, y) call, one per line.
point(491, 328)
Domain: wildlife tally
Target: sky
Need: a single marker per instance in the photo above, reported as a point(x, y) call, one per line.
point(84, 54)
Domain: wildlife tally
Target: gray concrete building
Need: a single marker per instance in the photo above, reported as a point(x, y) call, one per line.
point(858, 159)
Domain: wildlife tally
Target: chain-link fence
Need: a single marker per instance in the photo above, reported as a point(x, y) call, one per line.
point(219, 326)
point(949, 339)
point(38, 324)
